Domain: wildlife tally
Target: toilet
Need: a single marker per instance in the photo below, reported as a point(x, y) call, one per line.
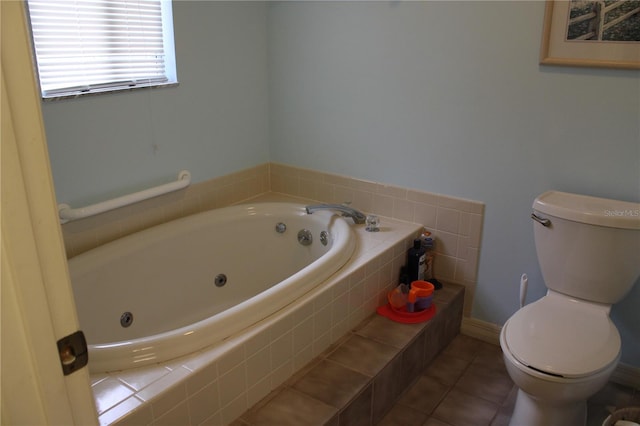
point(561, 349)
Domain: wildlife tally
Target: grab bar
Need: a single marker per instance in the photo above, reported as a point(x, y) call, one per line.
point(68, 214)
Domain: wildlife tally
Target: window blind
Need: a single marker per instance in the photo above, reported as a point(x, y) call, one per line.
point(96, 45)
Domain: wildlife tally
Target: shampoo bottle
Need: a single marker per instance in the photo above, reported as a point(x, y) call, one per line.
point(416, 261)
point(428, 244)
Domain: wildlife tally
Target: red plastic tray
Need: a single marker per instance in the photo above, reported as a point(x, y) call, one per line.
point(401, 314)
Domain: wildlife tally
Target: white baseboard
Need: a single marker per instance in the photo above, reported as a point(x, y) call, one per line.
point(482, 330)
point(624, 374)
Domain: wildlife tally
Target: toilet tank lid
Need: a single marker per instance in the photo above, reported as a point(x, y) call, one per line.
point(591, 210)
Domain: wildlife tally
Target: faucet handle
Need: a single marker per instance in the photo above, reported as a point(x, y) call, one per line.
point(373, 223)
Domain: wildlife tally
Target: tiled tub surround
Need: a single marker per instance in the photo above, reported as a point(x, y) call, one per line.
point(242, 370)
point(217, 384)
point(341, 387)
point(456, 223)
point(85, 234)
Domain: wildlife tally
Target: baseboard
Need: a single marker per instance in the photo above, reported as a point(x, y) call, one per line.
point(624, 374)
point(482, 330)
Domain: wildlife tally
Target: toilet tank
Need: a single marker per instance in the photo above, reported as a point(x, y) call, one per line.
point(587, 247)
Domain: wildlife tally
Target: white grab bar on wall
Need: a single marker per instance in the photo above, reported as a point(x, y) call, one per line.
point(68, 214)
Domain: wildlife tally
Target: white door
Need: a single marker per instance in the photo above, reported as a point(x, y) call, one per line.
point(37, 307)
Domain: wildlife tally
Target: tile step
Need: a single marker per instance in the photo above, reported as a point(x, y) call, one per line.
point(357, 380)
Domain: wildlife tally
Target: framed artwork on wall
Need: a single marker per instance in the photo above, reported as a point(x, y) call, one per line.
point(591, 33)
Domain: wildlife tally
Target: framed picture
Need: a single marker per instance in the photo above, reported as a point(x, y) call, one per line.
point(598, 33)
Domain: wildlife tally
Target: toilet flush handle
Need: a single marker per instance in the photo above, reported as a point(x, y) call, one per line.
point(540, 220)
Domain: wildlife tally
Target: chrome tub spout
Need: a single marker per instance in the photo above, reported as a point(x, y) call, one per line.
point(357, 216)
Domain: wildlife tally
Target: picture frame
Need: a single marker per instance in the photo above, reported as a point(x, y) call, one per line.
point(569, 23)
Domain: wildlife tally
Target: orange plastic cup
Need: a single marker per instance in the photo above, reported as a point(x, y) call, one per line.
point(420, 296)
point(420, 289)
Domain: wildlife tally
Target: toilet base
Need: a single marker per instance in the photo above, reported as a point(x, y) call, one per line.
point(534, 412)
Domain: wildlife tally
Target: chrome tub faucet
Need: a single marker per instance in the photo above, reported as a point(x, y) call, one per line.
point(357, 216)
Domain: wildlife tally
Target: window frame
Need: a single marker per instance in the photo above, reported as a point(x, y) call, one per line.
point(168, 78)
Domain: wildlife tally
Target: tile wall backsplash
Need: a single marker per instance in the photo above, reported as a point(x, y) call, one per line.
point(455, 222)
point(82, 235)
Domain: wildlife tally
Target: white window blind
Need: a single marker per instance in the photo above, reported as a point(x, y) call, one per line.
point(85, 46)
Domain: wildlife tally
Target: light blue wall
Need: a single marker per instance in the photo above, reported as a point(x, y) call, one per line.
point(214, 123)
point(446, 97)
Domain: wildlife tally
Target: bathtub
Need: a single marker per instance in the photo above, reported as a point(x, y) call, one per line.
point(181, 286)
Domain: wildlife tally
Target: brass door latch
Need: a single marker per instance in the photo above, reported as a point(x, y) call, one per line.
point(73, 352)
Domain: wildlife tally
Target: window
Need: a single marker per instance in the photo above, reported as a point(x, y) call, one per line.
point(92, 46)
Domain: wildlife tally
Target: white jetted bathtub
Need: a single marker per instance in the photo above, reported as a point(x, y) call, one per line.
point(178, 287)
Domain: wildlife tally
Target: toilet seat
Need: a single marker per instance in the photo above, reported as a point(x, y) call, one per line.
point(562, 336)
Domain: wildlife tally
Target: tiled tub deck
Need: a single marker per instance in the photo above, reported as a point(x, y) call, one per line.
point(357, 380)
point(220, 382)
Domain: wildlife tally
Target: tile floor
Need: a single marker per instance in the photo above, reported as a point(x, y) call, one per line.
point(468, 385)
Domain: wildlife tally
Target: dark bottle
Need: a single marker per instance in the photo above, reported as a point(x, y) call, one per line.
point(416, 261)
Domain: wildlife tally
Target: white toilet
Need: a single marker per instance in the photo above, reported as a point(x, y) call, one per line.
point(562, 349)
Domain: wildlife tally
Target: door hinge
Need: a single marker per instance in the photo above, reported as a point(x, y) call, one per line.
point(73, 352)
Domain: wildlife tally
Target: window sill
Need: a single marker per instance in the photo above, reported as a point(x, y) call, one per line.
point(95, 92)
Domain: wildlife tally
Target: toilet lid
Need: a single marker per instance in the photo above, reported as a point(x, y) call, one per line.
point(563, 337)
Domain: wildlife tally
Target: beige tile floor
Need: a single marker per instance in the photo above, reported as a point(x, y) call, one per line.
point(468, 385)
